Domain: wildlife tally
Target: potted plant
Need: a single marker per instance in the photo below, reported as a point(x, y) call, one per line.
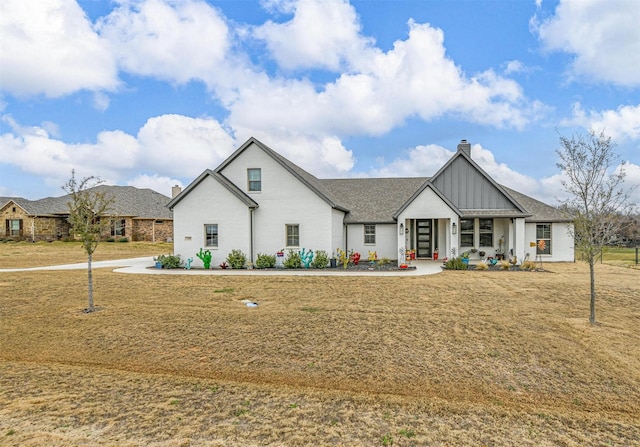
point(465, 257)
point(481, 253)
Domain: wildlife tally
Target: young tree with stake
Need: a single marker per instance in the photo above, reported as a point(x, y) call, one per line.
point(87, 208)
point(597, 197)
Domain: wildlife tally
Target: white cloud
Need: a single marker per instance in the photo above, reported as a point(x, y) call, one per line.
point(321, 35)
point(632, 179)
point(621, 125)
point(502, 173)
point(414, 78)
point(425, 161)
point(158, 183)
point(176, 41)
point(551, 187)
point(604, 36)
point(323, 156)
point(50, 48)
point(101, 101)
point(182, 146)
point(171, 146)
point(420, 161)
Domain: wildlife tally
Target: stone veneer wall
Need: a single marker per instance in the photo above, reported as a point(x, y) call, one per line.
point(152, 230)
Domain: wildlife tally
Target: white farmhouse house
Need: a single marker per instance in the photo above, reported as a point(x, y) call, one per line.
point(260, 202)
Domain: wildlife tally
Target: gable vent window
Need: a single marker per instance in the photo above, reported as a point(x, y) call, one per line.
point(254, 177)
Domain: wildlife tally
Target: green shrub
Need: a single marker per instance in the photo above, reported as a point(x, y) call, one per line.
point(265, 261)
point(110, 239)
point(455, 264)
point(293, 260)
point(123, 239)
point(237, 259)
point(169, 261)
point(320, 260)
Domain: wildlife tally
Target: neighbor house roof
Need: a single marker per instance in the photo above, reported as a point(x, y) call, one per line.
point(129, 201)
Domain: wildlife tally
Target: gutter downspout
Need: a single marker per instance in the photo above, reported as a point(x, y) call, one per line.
point(346, 237)
point(251, 233)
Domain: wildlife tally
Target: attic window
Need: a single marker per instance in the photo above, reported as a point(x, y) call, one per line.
point(254, 178)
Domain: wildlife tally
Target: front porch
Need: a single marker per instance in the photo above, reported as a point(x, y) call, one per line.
point(426, 238)
point(439, 238)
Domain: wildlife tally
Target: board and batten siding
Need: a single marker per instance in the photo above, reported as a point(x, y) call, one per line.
point(467, 188)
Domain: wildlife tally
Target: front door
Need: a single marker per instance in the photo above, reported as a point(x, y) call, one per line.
point(424, 238)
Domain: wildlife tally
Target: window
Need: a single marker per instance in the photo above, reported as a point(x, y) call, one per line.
point(543, 233)
point(13, 227)
point(117, 227)
point(254, 177)
point(369, 234)
point(466, 232)
point(211, 235)
point(486, 232)
point(293, 235)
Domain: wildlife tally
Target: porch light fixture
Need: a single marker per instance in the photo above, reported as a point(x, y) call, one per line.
point(401, 229)
point(454, 228)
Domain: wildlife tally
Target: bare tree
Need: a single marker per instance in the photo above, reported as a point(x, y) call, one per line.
point(88, 208)
point(594, 181)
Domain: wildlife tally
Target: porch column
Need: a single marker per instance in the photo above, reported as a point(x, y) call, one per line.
point(519, 238)
point(452, 236)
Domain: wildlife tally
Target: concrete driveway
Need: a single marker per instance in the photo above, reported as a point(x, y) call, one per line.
point(146, 266)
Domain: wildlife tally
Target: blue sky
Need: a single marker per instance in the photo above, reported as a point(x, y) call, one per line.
point(151, 93)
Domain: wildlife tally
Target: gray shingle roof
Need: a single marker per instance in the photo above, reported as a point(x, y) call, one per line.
point(372, 199)
point(377, 200)
point(541, 212)
point(129, 201)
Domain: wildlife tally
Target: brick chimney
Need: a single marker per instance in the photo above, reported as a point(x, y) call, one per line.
point(175, 190)
point(465, 147)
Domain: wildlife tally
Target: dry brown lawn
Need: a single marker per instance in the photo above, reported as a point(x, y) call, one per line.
point(458, 358)
point(26, 254)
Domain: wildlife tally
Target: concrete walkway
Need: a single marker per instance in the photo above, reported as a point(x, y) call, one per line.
point(145, 266)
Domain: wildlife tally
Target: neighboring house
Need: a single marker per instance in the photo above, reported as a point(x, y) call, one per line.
point(136, 214)
point(260, 202)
